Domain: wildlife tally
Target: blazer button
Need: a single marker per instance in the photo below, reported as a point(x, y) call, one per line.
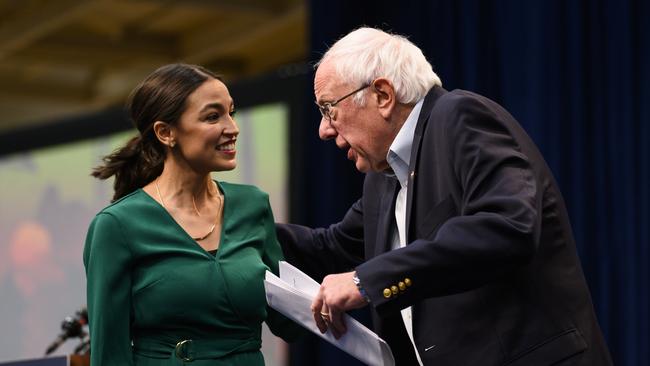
point(401, 285)
point(394, 290)
point(387, 293)
point(407, 282)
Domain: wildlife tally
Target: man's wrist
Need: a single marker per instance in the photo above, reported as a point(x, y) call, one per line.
point(362, 291)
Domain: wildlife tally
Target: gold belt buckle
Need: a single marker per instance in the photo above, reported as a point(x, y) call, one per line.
point(180, 348)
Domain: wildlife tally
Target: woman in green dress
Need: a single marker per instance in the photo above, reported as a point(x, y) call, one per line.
point(175, 265)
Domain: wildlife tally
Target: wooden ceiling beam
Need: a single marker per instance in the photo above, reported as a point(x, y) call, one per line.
point(261, 8)
point(68, 53)
point(27, 27)
point(206, 46)
point(20, 88)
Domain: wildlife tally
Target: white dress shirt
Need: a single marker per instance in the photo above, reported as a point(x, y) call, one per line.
point(399, 158)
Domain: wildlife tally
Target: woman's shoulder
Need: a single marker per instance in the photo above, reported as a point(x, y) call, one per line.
point(242, 190)
point(248, 199)
point(125, 205)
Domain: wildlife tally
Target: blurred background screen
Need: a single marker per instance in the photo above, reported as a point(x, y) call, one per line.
point(48, 198)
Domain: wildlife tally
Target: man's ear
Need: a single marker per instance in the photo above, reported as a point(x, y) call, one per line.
point(165, 133)
point(385, 94)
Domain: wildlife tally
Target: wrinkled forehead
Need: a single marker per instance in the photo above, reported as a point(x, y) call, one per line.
point(326, 82)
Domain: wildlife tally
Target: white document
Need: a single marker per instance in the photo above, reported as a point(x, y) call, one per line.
point(292, 293)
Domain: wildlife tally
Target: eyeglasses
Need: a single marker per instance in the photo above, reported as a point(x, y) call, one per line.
point(326, 108)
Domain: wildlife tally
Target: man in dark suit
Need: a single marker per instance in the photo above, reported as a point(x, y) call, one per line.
point(461, 244)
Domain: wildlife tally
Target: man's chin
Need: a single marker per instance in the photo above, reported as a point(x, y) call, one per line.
point(362, 165)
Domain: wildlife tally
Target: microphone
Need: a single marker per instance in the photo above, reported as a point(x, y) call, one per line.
point(71, 327)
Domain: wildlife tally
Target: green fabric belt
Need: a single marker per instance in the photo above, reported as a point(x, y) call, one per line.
point(187, 350)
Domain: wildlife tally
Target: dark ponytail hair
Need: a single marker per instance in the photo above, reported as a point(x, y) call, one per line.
point(160, 97)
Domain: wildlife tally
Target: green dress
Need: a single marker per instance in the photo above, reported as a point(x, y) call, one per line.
point(156, 297)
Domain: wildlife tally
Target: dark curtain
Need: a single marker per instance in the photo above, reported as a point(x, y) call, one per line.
point(576, 75)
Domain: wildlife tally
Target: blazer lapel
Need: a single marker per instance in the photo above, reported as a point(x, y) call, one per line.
point(425, 112)
point(386, 217)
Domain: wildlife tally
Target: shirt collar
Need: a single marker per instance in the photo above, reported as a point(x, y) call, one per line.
point(399, 153)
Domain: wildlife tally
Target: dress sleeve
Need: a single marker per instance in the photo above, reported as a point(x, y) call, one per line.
point(279, 325)
point(107, 262)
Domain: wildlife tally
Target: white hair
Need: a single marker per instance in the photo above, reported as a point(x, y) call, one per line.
point(368, 53)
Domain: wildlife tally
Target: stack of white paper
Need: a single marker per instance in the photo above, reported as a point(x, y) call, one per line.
point(292, 293)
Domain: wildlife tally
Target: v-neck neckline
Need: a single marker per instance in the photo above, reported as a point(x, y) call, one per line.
point(185, 233)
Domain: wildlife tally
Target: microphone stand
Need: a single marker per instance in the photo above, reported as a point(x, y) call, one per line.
point(72, 327)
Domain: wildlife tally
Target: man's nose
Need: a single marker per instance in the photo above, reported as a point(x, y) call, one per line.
point(325, 130)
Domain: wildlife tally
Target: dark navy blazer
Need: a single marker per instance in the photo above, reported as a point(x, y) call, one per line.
point(490, 268)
